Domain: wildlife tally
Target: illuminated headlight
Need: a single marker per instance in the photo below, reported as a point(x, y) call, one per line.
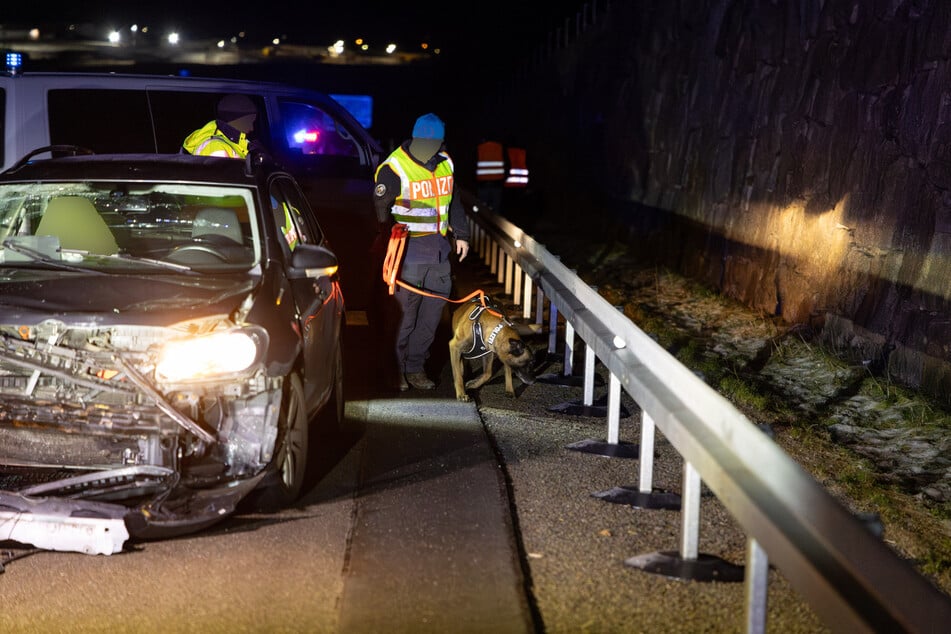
point(207, 356)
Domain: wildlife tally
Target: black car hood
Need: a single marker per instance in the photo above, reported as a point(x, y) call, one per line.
point(29, 295)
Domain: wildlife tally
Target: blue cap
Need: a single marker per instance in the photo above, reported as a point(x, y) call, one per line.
point(429, 126)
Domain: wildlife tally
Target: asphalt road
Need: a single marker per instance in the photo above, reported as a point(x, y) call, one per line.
point(429, 515)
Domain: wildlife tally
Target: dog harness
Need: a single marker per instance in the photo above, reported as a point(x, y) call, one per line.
point(479, 347)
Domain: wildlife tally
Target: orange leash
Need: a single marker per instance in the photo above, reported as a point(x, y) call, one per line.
point(394, 255)
point(391, 267)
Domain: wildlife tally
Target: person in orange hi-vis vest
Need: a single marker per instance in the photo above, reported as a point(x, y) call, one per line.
point(517, 176)
point(490, 173)
point(515, 200)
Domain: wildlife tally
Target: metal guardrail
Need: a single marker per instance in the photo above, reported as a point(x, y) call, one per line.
point(847, 574)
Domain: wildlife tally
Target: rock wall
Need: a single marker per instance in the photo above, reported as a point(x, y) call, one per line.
point(794, 154)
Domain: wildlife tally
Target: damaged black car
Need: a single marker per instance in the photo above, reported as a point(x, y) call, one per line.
point(170, 339)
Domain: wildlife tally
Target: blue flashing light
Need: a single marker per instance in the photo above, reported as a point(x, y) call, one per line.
point(14, 62)
point(360, 106)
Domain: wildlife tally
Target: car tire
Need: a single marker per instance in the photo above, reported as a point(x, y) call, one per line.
point(292, 450)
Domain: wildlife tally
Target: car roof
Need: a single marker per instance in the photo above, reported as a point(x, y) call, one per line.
point(157, 167)
point(70, 79)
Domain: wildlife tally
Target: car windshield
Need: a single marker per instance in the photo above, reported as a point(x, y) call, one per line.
point(117, 226)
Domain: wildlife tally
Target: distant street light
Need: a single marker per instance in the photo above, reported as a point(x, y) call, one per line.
point(173, 38)
point(113, 37)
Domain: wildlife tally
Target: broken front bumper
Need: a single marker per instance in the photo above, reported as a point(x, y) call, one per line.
point(102, 528)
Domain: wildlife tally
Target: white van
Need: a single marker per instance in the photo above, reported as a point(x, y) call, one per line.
point(332, 156)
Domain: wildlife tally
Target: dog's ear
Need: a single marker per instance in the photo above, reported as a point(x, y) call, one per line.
point(516, 347)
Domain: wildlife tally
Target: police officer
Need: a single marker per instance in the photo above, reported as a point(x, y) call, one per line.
point(414, 186)
point(229, 133)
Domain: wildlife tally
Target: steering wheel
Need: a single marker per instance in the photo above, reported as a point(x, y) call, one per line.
point(219, 246)
point(185, 249)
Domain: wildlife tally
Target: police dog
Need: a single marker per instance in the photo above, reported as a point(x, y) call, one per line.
point(479, 330)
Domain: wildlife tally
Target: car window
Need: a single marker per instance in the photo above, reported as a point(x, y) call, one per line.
point(120, 225)
point(101, 120)
point(309, 130)
point(293, 215)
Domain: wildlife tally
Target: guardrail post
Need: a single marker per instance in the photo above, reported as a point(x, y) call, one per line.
point(503, 261)
point(527, 304)
point(569, 348)
point(517, 292)
point(589, 359)
point(688, 563)
point(540, 306)
point(757, 577)
point(643, 496)
point(509, 266)
point(690, 514)
point(613, 447)
point(614, 410)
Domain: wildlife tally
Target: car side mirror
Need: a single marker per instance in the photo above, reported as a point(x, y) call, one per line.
point(310, 260)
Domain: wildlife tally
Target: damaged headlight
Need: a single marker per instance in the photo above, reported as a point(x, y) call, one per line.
point(209, 356)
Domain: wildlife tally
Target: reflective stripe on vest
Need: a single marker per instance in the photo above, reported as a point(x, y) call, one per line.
point(423, 202)
point(226, 151)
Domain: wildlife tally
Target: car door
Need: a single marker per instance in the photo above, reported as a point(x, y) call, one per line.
point(332, 160)
point(319, 301)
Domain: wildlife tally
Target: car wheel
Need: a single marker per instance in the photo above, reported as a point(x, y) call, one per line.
point(292, 451)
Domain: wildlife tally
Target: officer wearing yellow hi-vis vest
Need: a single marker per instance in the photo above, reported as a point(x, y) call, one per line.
point(414, 187)
point(229, 134)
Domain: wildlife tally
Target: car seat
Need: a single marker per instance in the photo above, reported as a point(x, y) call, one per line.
point(217, 221)
point(78, 226)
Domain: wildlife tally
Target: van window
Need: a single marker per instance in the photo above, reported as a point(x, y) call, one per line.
point(179, 113)
point(121, 121)
point(100, 120)
point(311, 131)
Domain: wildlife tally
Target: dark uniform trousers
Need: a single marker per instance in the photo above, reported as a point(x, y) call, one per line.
point(426, 267)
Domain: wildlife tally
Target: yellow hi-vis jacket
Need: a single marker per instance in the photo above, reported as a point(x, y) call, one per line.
point(210, 141)
point(423, 201)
